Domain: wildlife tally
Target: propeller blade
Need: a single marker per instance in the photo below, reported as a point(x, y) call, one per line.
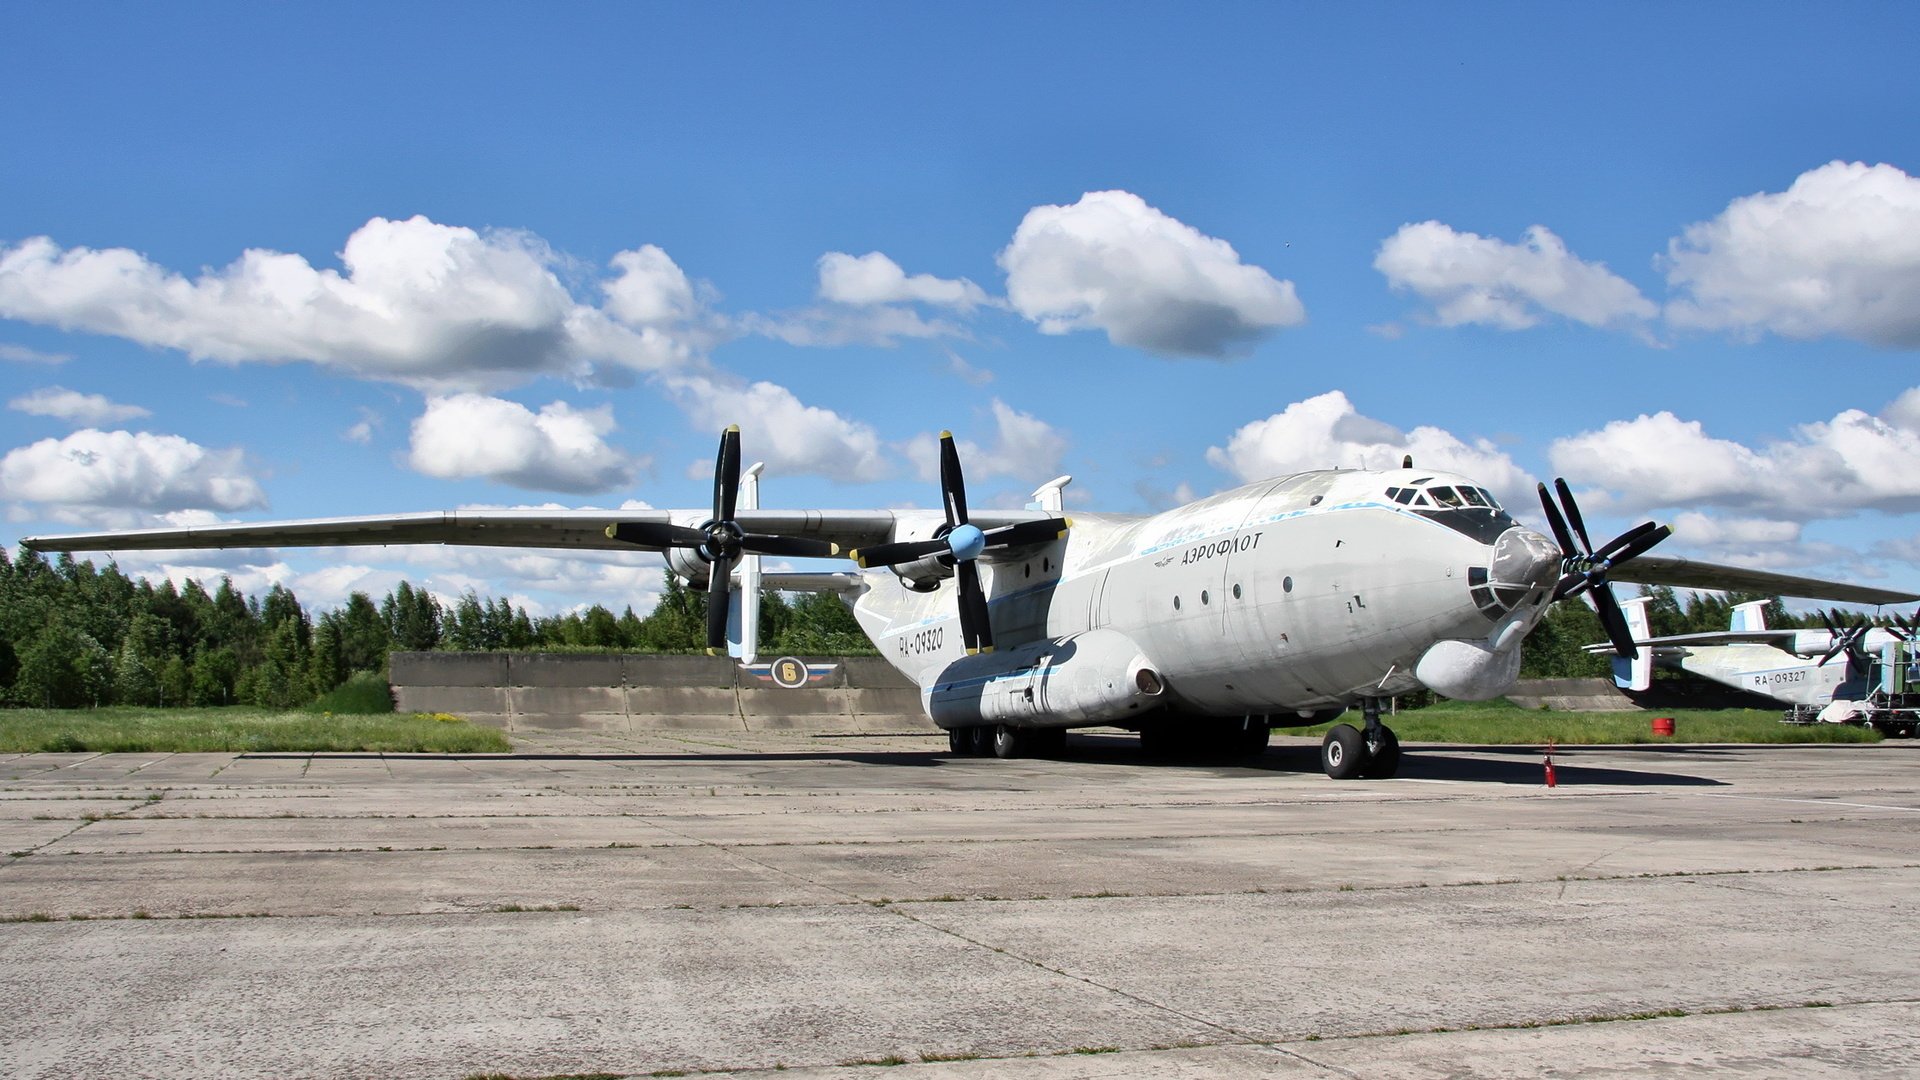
point(648, 535)
point(1615, 622)
point(1637, 541)
point(1571, 586)
point(974, 629)
point(799, 547)
point(901, 552)
point(953, 486)
point(1028, 532)
point(1556, 523)
point(1573, 513)
point(726, 475)
point(717, 584)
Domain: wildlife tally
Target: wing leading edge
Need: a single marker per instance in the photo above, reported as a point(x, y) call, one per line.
point(1690, 574)
point(577, 529)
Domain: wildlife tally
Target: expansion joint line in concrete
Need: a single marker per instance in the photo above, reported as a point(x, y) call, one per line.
point(150, 800)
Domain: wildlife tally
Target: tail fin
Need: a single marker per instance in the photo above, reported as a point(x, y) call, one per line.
point(1751, 615)
point(1637, 673)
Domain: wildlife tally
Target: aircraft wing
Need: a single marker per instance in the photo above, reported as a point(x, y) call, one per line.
point(1691, 574)
point(580, 529)
point(1710, 637)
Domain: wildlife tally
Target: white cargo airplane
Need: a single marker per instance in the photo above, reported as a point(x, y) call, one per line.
point(1280, 603)
point(1841, 674)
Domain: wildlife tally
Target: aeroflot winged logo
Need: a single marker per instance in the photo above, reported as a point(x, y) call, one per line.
point(790, 673)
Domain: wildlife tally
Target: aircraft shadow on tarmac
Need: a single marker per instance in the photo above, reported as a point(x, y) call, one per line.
point(1476, 764)
point(1470, 764)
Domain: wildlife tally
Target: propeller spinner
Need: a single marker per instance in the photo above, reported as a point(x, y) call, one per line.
point(721, 540)
point(962, 543)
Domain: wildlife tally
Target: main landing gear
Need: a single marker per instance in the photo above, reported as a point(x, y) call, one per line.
point(1006, 741)
point(1349, 754)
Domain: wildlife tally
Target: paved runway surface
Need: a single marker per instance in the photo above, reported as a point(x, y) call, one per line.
point(731, 904)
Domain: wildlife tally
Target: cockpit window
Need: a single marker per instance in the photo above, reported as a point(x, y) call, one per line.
point(1403, 496)
point(1445, 496)
point(1474, 496)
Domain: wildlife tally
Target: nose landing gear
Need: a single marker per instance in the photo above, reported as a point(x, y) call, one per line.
point(1348, 754)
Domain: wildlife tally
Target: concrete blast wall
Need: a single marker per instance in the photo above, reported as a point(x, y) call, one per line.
point(610, 692)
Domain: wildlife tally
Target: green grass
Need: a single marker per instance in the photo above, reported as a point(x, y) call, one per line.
point(1502, 722)
point(238, 728)
point(364, 693)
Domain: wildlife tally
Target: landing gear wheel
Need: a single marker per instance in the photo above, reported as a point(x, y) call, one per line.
point(980, 740)
point(1343, 753)
point(1010, 741)
point(959, 741)
point(1383, 757)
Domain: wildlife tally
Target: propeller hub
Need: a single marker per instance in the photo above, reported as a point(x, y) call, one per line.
point(723, 540)
point(966, 542)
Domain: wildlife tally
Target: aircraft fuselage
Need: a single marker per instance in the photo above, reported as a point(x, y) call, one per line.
point(1288, 596)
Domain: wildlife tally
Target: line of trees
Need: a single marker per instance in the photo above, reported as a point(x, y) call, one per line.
point(75, 636)
point(1556, 648)
point(72, 635)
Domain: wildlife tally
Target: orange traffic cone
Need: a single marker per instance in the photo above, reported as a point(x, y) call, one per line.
point(1549, 764)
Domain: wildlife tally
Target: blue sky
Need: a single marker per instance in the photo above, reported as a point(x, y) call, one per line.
point(516, 256)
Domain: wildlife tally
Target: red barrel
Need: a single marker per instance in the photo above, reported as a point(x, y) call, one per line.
point(1663, 725)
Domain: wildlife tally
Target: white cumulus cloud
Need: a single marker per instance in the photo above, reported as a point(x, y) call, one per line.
point(1024, 446)
point(875, 279)
point(1854, 461)
point(1327, 432)
point(560, 448)
point(74, 407)
point(1111, 262)
point(1836, 254)
point(417, 302)
point(1473, 279)
point(791, 436)
point(91, 473)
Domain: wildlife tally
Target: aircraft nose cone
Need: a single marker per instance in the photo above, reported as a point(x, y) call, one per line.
point(1524, 559)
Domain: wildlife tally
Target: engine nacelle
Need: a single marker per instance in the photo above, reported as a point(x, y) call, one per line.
point(924, 575)
point(1096, 677)
point(687, 565)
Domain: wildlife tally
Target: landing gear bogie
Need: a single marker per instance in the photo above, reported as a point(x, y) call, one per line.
point(1349, 753)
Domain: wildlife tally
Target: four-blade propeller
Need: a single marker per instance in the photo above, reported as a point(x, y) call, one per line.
point(1846, 637)
point(721, 540)
point(960, 543)
point(1584, 569)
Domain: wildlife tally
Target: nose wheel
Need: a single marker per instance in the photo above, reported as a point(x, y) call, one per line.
point(1349, 753)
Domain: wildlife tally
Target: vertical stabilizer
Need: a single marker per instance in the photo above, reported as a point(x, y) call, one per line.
point(1751, 615)
point(1637, 673)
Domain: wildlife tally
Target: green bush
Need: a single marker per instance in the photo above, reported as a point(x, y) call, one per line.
point(363, 694)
